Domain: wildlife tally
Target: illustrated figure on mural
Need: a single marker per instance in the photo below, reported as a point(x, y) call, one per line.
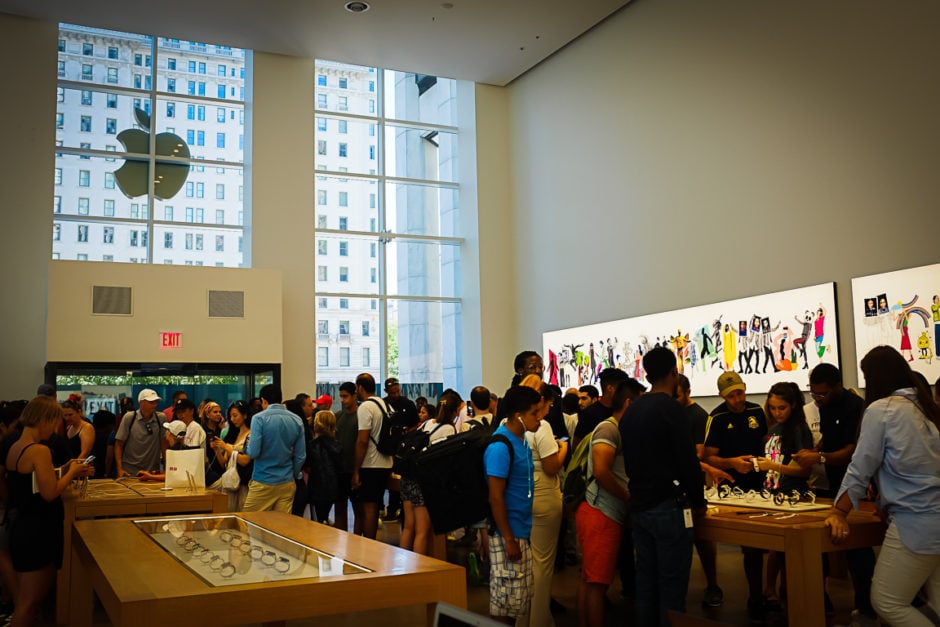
point(923, 345)
point(767, 343)
point(935, 310)
point(730, 350)
point(819, 325)
point(800, 342)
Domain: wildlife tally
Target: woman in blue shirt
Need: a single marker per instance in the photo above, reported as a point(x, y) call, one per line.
point(899, 443)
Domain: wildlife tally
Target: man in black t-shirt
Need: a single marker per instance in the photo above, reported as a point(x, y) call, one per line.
point(734, 439)
point(840, 413)
point(707, 550)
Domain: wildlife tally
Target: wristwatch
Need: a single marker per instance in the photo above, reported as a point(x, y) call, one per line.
point(822, 458)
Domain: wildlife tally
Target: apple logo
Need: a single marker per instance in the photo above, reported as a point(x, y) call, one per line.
point(132, 177)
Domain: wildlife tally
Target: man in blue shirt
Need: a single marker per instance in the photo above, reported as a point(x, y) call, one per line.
point(277, 448)
point(511, 482)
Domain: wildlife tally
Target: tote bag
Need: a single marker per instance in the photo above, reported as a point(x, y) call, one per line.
point(183, 465)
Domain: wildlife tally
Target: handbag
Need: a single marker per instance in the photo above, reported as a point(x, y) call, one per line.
point(230, 480)
point(186, 468)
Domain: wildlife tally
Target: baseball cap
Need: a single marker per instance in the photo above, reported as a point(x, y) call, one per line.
point(390, 382)
point(46, 389)
point(728, 382)
point(148, 395)
point(177, 427)
point(324, 399)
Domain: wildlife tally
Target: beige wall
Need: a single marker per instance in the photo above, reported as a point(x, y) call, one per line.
point(279, 156)
point(165, 298)
point(498, 304)
point(689, 152)
point(26, 164)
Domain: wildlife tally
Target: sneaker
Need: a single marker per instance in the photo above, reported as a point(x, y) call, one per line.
point(713, 597)
point(756, 611)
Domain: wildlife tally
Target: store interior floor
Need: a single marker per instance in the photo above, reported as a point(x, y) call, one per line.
point(564, 590)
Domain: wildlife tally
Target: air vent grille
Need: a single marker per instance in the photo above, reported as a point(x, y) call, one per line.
point(111, 301)
point(225, 304)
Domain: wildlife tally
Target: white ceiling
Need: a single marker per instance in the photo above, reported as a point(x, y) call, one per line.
point(487, 41)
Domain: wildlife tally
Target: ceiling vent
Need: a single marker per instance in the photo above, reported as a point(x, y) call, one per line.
point(111, 301)
point(226, 304)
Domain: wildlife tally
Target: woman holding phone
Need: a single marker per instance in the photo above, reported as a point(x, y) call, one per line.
point(35, 518)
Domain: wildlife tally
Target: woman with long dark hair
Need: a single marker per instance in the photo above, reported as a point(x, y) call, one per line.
point(899, 443)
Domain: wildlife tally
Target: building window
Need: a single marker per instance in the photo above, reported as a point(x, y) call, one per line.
point(344, 249)
point(343, 103)
point(108, 208)
point(321, 303)
point(343, 274)
point(168, 240)
point(84, 124)
point(321, 273)
point(58, 176)
point(83, 206)
point(220, 243)
point(344, 199)
point(344, 356)
point(373, 275)
point(110, 126)
point(220, 140)
point(321, 147)
point(344, 303)
point(56, 232)
point(321, 124)
point(82, 232)
point(343, 223)
point(108, 233)
point(200, 213)
point(60, 120)
point(321, 196)
point(188, 241)
point(198, 241)
point(109, 180)
point(372, 248)
point(366, 357)
point(321, 247)
point(87, 72)
point(344, 327)
point(220, 191)
point(365, 328)
point(220, 216)
point(343, 149)
point(321, 219)
point(343, 126)
point(57, 204)
point(321, 101)
point(84, 178)
point(323, 357)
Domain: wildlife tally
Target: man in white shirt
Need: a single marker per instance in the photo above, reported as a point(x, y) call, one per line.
point(480, 400)
point(371, 469)
point(185, 411)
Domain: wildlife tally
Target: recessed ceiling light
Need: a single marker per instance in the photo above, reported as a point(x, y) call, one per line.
point(356, 6)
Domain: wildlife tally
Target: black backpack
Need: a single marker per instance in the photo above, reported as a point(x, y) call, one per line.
point(411, 446)
point(392, 431)
point(482, 423)
point(453, 478)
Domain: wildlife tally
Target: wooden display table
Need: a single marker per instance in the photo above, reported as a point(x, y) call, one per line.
point(141, 583)
point(127, 497)
point(802, 538)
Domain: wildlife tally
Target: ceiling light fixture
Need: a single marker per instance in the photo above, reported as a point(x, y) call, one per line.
point(356, 6)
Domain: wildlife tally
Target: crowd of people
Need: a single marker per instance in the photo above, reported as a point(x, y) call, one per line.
point(650, 454)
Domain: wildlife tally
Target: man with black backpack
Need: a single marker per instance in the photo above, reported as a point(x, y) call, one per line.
point(372, 468)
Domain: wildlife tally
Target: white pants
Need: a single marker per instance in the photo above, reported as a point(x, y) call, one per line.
point(899, 574)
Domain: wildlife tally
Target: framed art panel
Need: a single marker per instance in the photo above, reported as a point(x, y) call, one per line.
point(900, 309)
point(769, 338)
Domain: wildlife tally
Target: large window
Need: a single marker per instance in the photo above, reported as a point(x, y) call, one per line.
point(124, 85)
point(388, 227)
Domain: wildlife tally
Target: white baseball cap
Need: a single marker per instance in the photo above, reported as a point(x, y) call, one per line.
point(177, 427)
point(148, 395)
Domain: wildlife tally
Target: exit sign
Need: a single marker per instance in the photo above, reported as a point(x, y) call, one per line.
point(171, 339)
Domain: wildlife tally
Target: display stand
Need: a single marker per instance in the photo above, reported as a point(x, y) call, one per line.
point(127, 497)
point(145, 577)
point(802, 538)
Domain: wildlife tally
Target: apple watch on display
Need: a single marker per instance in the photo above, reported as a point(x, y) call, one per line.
point(245, 547)
point(226, 536)
point(256, 552)
point(216, 563)
point(227, 569)
point(779, 498)
point(268, 558)
point(282, 565)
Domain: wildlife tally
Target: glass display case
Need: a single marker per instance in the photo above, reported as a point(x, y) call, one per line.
point(229, 550)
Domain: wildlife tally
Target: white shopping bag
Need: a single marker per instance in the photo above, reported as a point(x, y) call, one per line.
point(186, 468)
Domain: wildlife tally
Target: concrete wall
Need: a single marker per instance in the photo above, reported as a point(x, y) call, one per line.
point(689, 152)
point(165, 298)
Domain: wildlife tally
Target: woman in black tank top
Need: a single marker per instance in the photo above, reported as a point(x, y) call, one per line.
point(35, 519)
